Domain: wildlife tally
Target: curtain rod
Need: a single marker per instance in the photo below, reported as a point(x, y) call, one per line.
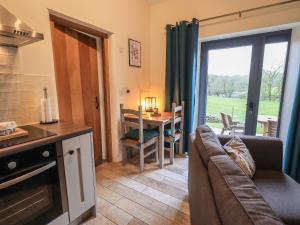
point(239, 13)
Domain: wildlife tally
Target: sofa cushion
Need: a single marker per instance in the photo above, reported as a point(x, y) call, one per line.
point(203, 209)
point(281, 192)
point(237, 199)
point(208, 144)
point(239, 153)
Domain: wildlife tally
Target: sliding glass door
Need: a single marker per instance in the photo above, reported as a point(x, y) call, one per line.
point(241, 83)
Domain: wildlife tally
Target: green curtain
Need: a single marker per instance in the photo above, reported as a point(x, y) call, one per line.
point(291, 164)
point(181, 69)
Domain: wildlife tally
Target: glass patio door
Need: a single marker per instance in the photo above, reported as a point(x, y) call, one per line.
point(271, 88)
point(227, 87)
point(241, 83)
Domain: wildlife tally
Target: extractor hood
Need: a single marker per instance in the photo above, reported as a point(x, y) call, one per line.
point(14, 32)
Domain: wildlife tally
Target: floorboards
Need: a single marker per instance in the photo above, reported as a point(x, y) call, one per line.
point(154, 197)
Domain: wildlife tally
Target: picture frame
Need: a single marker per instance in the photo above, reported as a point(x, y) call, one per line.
point(134, 50)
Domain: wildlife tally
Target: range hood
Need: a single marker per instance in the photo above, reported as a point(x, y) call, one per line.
point(13, 32)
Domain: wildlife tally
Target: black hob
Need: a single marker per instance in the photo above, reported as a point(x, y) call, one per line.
point(34, 133)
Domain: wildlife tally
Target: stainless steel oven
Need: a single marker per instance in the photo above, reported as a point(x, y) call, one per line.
point(32, 186)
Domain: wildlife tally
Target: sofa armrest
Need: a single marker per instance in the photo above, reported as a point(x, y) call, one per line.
point(267, 152)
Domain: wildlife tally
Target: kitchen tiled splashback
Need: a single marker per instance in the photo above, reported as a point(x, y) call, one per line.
point(20, 93)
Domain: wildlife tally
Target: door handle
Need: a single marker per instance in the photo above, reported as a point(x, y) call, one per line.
point(250, 107)
point(97, 102)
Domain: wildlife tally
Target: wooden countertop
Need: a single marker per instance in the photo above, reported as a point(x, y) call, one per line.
point(63, 130)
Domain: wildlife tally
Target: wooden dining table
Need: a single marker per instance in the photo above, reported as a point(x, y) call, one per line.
point(263, 120)
point(157, 121)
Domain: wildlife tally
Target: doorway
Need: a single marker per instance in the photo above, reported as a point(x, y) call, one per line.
point(242, 83)
point(77, 82)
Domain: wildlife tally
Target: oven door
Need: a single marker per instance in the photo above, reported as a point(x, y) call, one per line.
point(32, 196)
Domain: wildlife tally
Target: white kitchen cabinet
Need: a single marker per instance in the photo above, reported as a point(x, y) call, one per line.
point(88, 170)
point(80, 174)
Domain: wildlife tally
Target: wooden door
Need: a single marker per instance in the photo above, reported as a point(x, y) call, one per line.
point(76, 71)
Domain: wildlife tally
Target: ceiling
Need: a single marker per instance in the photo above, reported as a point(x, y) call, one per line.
point(151, 2)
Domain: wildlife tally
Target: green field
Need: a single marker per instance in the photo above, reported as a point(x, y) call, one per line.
point(237, 107)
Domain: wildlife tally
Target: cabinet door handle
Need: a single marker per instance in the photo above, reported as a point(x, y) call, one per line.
point(80, 174)
point(71, 152)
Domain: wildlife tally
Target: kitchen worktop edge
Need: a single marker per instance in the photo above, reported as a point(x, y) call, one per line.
point(63, 130)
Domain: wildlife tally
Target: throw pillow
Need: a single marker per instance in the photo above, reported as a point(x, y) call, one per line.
point(239, 153)
point(208, 144)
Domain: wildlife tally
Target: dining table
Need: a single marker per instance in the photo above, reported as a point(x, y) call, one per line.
point(159, 121)
point(263, 120)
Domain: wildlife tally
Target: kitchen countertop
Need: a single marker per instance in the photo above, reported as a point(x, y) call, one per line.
point(63, 130)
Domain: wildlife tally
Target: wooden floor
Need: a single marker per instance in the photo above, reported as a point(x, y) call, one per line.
point(156, 196)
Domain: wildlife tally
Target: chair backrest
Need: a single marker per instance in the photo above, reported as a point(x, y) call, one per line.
point(230, 121)
point(177, 117)
point(133, 120)
point(272, 128)
point(225, 120)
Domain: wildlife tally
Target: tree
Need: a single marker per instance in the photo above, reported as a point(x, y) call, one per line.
point(271, 82)
point(226, 86)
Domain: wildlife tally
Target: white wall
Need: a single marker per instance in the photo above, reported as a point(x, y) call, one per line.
point(291, 82)
point(126, 19)
point(171, 11)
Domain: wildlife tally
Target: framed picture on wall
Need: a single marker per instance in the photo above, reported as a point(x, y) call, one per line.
point(134, 48)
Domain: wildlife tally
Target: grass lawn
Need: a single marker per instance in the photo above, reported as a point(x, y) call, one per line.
point(237, 108)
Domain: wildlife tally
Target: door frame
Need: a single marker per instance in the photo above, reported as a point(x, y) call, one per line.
point(257, 41)
point(103, 35)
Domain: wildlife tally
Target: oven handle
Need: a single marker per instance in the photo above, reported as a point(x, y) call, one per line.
point(27, 175)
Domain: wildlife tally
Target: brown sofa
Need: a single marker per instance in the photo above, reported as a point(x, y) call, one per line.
point(220, 193)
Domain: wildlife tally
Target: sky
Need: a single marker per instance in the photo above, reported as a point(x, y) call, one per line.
point(236, 61)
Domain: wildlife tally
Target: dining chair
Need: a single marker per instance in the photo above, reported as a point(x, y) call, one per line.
point(135, 136)
point(230, 125)
point(271, 128)
point(174, 134)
